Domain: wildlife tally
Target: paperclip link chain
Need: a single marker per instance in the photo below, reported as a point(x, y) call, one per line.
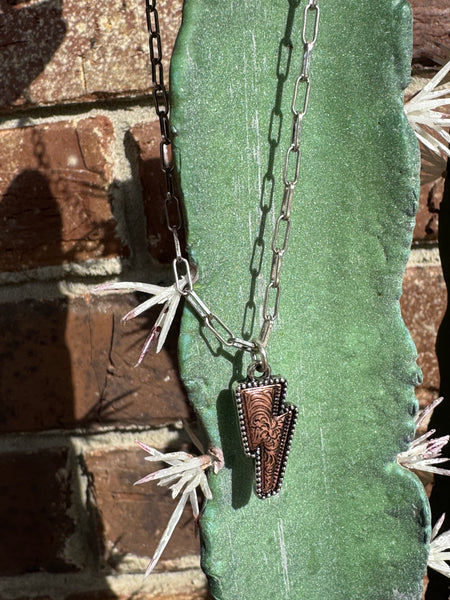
point(299, 107)
point(172, 208)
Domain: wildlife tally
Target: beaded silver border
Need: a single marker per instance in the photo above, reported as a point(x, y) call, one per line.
point(279, 409)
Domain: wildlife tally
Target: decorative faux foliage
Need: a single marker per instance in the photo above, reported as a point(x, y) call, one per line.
point(168, 296)
point(431, 124)
point(184, 475)
point(440, 549)
point(425, 451)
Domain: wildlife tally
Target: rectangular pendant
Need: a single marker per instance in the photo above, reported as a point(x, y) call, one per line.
point(267, 425)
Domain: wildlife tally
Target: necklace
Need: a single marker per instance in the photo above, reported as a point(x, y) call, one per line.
point(267, 423)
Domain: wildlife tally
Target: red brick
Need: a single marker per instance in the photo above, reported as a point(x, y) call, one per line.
point(427, 219)
point(423, 305)
point(35, 370)
point(147, 137)
point(54, 194)
point(104, 353)
point(35, 495)
point(66, 363)
point(431, 28)
point(134, 517)
point(110, 595)
point(105, 594)
point(35, 598)
point(78, 50)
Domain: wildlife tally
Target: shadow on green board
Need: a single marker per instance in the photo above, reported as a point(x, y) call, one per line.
point(268, 181)
point(242, 467)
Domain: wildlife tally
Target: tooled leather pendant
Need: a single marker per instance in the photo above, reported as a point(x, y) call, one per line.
point(267, 426)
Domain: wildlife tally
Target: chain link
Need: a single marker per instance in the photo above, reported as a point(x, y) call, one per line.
point(219, 329)
point(172, 208)
point(291, 172)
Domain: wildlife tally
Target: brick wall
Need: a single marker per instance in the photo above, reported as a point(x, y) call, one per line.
point(424, 298)
point(80, 190)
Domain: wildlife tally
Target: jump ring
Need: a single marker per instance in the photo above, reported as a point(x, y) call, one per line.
point(260, 362)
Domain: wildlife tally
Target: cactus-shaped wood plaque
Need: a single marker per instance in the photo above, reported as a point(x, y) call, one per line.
point(348, 523)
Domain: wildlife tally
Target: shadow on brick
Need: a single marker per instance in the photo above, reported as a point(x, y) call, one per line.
point(30, 35)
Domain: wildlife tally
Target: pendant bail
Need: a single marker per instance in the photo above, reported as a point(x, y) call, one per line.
point(260, 362)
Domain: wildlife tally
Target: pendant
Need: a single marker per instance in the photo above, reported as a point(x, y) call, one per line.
point(267, 426)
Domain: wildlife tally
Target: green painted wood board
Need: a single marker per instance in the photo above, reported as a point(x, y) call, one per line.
point(349, 523)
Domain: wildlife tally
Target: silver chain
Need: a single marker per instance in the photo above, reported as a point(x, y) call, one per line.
point(290, 172)
point(172, 209)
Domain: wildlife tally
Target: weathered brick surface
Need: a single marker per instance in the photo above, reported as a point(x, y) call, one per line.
point(147, 137)
point(59, 52)
point(431, 28)
point(67, 363)
point(94, 595)
point(54, 194)
point(35, 495)
point(423, 305)
point(105, 351)
point(35, 367)
point(427, 218)
point(134, 517)
point(110, 595)
point(46, 597)
point(39, 597)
